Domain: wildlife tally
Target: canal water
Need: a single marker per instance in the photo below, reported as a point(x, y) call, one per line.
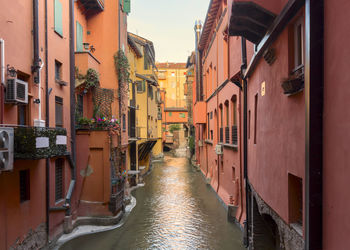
point(175, 210)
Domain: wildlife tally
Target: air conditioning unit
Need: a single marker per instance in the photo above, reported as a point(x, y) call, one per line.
point(6, 149)
point(16, 91)
point(218, 149)
point(200, 143)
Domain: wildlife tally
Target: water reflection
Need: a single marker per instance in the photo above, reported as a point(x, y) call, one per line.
point(175, 210)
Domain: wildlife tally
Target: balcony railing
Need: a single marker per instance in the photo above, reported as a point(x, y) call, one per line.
point(116, 202)
point(221, 134)
point(93, 5)
point(227, 135)
point(234, 135)
point(39, 143)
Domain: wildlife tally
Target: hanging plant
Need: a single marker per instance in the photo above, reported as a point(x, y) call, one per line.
point(92, 79)
point(122, 66)
point(89, 81)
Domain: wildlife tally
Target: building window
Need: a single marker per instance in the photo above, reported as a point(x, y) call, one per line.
point(299, 43)
point(182, 115)
point(234, 129)
point(59, 169)
point(80, 105)
point(58, 18)
point(249, 124)
point(23, 114)
point(150, 92)
point(59, 111)
point(295, 197)
point(233, 176)
point(141, 86)
point(58, 70)
point(79, 39)
point(255, 117)
point(124, 122)
point(24, 185)
point(208, 127)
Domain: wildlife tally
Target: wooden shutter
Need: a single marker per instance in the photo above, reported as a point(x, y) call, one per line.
point(58, 17)
point(79, 34)
point(127, 6)
point(59, 111)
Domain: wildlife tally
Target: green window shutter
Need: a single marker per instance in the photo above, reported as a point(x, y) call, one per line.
point(170, 113)
point(182, 115)
point(79, 37)
point(143, 85)
point(127, 6)
point(58, 17)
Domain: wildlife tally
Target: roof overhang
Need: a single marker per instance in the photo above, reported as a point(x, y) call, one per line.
point(134, 47)
point(150, 80)
point(250, 21)
point(209, 22)
point(145, 148)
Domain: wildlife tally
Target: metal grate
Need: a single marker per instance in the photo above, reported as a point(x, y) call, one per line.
point(227, 135)
point(234, 135)
point(59, 179)
point(21, 91)
point(221, 134)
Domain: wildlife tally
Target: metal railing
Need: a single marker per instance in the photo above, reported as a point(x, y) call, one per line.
point(227, 135)
point(234, 135)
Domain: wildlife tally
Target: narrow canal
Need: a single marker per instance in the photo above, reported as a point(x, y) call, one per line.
point(175, 210)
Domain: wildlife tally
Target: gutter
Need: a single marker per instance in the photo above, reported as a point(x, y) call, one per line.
point(47, 118)
point(72, 157)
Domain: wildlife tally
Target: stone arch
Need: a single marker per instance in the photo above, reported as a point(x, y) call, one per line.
point(265, 233)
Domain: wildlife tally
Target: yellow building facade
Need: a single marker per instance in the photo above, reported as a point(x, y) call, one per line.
point(145, 117)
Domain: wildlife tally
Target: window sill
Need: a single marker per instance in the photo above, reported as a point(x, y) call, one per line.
point(61, 83)
point(297, 227)
point(231, 146)
point(60, 35)
point(208, 142)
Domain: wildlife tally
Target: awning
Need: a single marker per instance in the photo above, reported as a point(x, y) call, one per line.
point(150, 80)
point(145, 148)
point(250, 21)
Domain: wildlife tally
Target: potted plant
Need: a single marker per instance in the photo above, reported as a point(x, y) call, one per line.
point(293, 84)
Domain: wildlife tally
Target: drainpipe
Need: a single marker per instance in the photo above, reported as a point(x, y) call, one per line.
point(72, 158)
point(2, 44)
point(47, 118)
point(198, 28)
point(245, 141)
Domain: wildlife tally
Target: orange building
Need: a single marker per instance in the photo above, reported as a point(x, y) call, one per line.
point(36, 81)
point(102, 121)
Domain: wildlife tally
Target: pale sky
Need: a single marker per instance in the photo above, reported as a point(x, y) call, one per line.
point(169, 24)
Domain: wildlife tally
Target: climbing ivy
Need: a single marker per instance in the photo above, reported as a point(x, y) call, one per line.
point(122, 67)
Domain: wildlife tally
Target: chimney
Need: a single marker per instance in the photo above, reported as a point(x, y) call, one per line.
point(199, 91)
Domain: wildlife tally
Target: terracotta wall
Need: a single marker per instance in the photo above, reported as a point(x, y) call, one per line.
point(336, 219)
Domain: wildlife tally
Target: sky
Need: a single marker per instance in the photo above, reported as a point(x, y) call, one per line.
point(169, 24)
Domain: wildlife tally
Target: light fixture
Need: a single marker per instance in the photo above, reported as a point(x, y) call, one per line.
point(11, 71)
point(86, 46)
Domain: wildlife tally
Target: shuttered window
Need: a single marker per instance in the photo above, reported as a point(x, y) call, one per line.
point(59, 111)
point(58, 17)
point(79, 30)
point(59, 167)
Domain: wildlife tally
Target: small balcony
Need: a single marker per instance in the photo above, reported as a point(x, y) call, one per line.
point(38, 143)
point(93, 5)
point(84, 60)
